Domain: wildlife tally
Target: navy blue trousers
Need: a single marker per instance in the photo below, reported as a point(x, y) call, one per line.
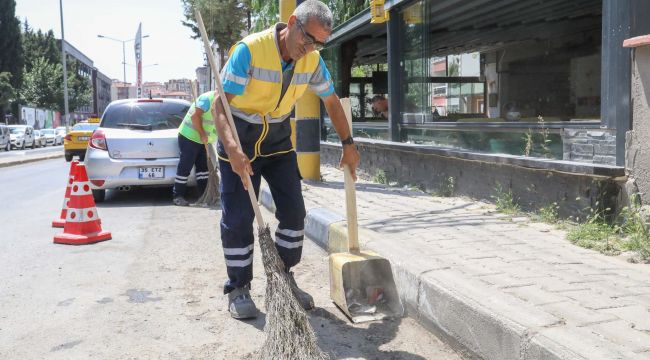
point(192, 155)
point(281, 173)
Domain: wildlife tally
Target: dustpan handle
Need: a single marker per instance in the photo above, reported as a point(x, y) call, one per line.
point(226, 107)
point(350, 191)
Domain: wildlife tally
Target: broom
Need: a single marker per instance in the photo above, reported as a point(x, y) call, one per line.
point(288, 332)
point(210, 197)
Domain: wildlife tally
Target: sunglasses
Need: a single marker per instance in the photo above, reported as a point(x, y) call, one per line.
point(309, 40)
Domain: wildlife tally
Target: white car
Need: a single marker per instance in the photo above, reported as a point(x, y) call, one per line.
point(22, 136)
point(61, 131)
point(52, 137)
point(39, 139)
point(136, 145)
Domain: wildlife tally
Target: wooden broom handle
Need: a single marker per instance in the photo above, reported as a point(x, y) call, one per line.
point(226, 107)
point(350, 191)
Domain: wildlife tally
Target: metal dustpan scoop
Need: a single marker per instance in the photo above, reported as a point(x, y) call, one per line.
point(361, 282)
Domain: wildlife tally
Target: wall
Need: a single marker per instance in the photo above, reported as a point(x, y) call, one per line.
point(596, 146)
point(637, 157)
point(535, 183)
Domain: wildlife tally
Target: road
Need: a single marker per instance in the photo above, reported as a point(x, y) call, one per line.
point(155, 290)
point(19, 153)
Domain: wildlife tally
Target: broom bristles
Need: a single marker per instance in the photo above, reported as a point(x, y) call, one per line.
point(289, 334)
point(211, 196)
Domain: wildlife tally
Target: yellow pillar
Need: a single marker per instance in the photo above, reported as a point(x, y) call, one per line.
point(306, 127)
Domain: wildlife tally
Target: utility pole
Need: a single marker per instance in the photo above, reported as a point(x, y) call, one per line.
point(65, 70)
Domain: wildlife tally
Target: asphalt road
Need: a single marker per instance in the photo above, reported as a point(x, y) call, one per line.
point(19, 153)
point(155, 290)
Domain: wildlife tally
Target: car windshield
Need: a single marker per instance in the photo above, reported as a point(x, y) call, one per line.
point(17, 130)
point(145, 115)
point(48, 132)
point(85, 127)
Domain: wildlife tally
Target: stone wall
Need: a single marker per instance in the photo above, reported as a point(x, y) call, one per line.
point(596, 146)
point(637, 156)
point(535, 183)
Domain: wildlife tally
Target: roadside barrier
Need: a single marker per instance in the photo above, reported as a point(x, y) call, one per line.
point(60, 222)
point(82, 223)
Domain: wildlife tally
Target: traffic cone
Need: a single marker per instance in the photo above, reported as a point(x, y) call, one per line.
point(58, 223)
point(82, 223)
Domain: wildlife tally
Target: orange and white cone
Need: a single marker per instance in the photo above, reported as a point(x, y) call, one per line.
point(58, 223)
point(82, 223)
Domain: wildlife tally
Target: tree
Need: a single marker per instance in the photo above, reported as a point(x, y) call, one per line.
point(266, 12)
point(11, 55)
point(225, 21)
point(7, 92)
point(42, 84)
point(37, 44)
point(79, 89)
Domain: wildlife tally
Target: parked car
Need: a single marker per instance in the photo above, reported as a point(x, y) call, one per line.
point(39, 139)
point(5, 138)
point(52, 137)
point(22, 136)
point(62, 131)
point(136, 145)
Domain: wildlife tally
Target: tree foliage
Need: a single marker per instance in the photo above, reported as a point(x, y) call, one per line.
point(37, 44)
point(225, 20)
point(41, 86)
point(79, 88)
point(265, 13)
point(7, 92)
point(11, 54)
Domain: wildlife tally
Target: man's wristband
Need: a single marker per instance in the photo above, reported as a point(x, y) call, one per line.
point(347, 141)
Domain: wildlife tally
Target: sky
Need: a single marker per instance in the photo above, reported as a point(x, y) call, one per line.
point(169, 43)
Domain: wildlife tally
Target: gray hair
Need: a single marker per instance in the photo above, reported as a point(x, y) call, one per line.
point(314, 9)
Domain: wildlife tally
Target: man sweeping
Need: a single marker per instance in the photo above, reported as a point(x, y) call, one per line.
point(265, 75)
point(196, 130)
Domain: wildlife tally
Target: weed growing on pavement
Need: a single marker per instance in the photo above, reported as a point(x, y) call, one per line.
point(448, 187)
point(505, 201)
point(633, 225)
point(596, 234)
point(380, 177)
point(549, 214)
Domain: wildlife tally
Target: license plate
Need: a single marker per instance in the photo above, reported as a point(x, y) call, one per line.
point(151, 172)
point(83, 138)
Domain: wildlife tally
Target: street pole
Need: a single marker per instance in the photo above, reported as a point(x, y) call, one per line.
point(65, 70)
point(124, 60)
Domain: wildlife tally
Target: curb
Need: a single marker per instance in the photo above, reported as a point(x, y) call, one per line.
point(439, 300)
point(30, 159)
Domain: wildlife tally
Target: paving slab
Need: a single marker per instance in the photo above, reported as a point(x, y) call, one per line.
point(501, 289)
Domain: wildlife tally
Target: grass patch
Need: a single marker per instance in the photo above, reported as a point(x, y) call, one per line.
point(380, 177)
point(447, 187)
point(505, 201)
point(628, 231)
point(549, 214)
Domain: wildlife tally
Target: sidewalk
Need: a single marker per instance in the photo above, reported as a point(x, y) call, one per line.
point(27, 158)
point(502, 288)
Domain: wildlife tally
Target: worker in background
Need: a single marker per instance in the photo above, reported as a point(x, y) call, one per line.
point(265, 75)
point(196, 130)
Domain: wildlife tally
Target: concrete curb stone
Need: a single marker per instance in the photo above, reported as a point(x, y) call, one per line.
point(29, 159)
point(448, 304)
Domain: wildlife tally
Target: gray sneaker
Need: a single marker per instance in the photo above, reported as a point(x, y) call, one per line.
point(305, 300)
point(240, 304)
point(180, 201)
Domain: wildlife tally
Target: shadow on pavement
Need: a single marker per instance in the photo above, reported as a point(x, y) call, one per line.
point(143, 197)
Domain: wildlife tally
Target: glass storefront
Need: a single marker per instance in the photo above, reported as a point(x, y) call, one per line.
point(526, 82)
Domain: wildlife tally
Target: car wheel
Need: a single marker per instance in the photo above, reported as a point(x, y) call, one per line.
point(68, 157)
point(99, 195)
